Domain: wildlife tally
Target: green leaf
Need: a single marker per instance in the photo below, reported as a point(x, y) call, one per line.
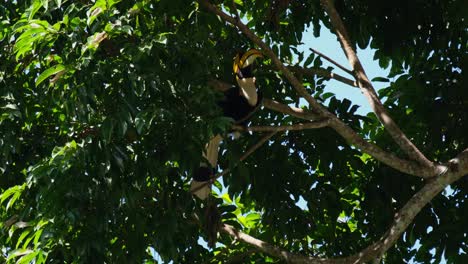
point(226, 198)
point(40, 31)
point(327, 95)
point(106, 129)
point(18, 252)
point(253, 217)
point(37, 236)
point(22, 236)
point(49, 72)
point(27, 259)
point(309, 60)
point(13, 199)
point(380, 79)
point(11, 191)
point(33, 9)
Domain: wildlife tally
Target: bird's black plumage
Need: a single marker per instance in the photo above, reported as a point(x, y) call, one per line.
point(236, 106)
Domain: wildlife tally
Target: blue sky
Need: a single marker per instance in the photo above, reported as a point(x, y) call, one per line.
point(328, 44)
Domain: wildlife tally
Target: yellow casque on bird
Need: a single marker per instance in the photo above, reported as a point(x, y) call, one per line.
point(242, 66)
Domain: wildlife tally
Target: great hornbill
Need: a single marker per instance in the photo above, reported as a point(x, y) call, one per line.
point(239, 103)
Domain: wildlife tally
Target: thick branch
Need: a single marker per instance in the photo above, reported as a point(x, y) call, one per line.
point(300, 126)
point(289, 110)
point(368, 90)
point(405, 166)
point(219, 85)
point(268, 248)
point(375, 251)
point(406, 215)
point(316, 106)
point(389, 159)
point(459, 164)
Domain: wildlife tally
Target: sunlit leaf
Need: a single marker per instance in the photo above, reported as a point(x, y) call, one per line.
point(49, 72)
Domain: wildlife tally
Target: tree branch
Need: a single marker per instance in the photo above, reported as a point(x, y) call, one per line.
point(406, 215)
point(332, 61)
point(268, 248)
point(405, 166)
point(447, 173)
point(422, 170)
point(300, 126)
point(375, 251)
point(316, 106)
point(219, 85)
point(324, 73)
point(289, 110)
point(257, 145)
point(369, 92)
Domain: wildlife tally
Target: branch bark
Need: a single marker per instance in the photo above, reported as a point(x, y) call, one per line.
point(300, 126)
point(316, 106)
point(409, 167)
point(403, 218)
point(323, 73)
point(268, 248)
point(405, 166)
point(290, 110)
point(332, 61)
point(447, 173)
point(369, 92)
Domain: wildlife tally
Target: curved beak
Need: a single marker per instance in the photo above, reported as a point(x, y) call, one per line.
point(242, 61)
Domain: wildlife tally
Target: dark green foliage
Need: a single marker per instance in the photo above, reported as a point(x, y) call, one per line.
point(105, 109)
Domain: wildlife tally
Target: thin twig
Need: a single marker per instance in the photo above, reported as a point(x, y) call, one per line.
point(323, 73)
point(368, 90)
point(332, 61)
point(242, 158)
point(257, 145)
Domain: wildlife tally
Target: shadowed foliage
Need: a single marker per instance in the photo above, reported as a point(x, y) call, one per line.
point(106, 108)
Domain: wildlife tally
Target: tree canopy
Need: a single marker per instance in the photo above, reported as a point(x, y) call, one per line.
point(106, 106)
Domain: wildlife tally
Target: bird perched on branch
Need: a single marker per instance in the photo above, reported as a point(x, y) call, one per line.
point(239, 103)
